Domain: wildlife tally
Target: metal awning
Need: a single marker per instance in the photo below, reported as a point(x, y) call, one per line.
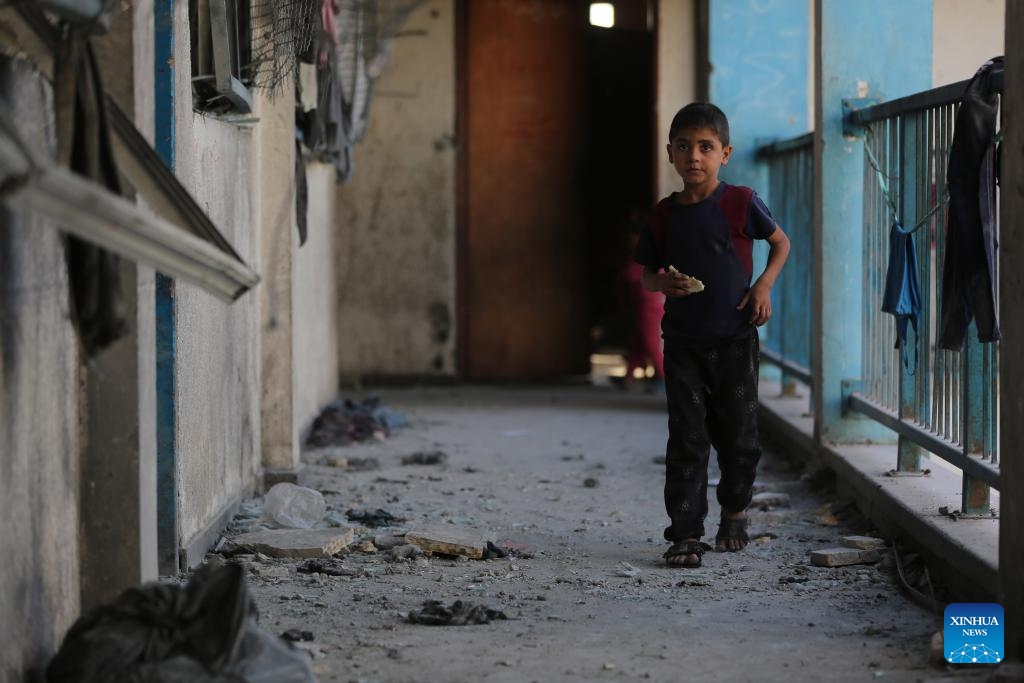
point(175, 236)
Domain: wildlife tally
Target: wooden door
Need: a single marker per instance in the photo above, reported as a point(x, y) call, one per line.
point(522, 123)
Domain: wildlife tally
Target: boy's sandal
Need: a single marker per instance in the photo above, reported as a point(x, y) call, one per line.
point(684, 549)
point(732, 530)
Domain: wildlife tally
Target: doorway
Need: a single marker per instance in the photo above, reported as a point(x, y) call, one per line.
point(555, 135)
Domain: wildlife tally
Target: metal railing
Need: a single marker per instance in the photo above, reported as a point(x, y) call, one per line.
point(786, 342)
point(944, 402)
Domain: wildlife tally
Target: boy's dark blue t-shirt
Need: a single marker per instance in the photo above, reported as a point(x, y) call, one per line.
point(701, 241)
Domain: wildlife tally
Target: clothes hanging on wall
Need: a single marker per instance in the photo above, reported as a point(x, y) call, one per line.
point(83, 137)
point(969, 272)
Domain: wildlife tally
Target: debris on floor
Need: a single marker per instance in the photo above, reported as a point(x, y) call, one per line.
point(841, 557)
point(590, 483)
point(448, 542)
point(824, 516)
point(628, 571)
point(425, 458)
point(863, 542)
point(373, 518)
point(327, 566)
point(388, 541)
point(344, 421)
point(769, 499)
point(460, 613)
point(293, 507)
point(403, 553)
point(299, 543)
point(331, 458)
point(203, 631)
point(294, 635)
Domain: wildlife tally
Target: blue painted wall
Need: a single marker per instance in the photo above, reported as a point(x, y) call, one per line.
point(759, 53)
point(166, 410)
point(895, 60)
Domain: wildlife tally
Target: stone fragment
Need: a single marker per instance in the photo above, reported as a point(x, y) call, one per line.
point(863, 542)
point(295, 542)
point(840, 557)
point(770, 499)
point(937, 650)
point(448, 542)
point(388, 541)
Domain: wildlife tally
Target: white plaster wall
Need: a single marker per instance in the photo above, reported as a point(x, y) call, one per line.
point(217, 366)
point(39, 413)
point(676, 79)
point(965, 34)
point(142, 46)
point(395, 218)
point(315, 309)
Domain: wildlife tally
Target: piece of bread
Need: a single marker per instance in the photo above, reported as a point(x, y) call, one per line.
point(695, 284)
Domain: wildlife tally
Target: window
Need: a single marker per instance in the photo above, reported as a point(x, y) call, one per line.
point(221, 41)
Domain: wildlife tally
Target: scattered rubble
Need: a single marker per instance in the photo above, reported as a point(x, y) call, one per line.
point(425, 458)
point(841, 557)
point(326, 566)
point(373, 518)
point(335, 459)
point(435, 613)
point(770, 499)
point(293, 542)
point(403, 553)
point(863, 542)
point(448, 542)
point(590, 483)
point(294, 635)
point(344, 421)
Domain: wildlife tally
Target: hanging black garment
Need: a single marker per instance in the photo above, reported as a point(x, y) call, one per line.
point(968, 274)
point(84, 139)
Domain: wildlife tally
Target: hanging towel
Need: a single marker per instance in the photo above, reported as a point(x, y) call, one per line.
point(902, 296)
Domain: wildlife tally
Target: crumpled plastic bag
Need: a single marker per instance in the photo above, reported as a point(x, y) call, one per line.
point(204, 632)
point(294, 507)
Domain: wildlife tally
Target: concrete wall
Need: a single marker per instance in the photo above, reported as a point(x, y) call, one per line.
point(315, 310)
point(966, 34)
point(217, 361)
point(275, 210)
point(39, 413)
point(395, 219)
point(676, 79)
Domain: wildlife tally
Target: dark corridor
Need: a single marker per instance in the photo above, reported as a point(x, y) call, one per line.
point(618, 176)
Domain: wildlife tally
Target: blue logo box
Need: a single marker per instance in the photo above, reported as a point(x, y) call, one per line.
point(972, 633)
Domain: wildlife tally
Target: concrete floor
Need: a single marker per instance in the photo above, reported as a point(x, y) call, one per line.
point(518, 459)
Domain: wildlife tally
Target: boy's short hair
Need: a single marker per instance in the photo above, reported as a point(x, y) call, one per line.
point(701, 115)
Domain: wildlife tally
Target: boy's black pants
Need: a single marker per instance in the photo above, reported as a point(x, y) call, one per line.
point(712, 401)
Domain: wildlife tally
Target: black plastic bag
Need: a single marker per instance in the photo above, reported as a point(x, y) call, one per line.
point(205, 632)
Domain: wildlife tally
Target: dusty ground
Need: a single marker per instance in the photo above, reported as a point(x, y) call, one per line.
point(517, 462)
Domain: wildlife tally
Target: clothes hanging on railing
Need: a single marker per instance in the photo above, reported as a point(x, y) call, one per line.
point(968, 274)
point(902, 297)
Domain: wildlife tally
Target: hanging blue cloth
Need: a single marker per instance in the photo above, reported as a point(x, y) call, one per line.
point(902, 296)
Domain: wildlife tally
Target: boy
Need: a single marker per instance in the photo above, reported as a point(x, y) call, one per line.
point(696, 249)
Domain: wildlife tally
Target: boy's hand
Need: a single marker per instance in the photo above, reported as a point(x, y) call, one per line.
point(673, 283)
point(759, 298)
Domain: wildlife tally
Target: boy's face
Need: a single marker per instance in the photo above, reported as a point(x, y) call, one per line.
point(697, 154)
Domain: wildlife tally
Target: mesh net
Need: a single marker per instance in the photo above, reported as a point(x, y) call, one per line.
point(282, 32)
